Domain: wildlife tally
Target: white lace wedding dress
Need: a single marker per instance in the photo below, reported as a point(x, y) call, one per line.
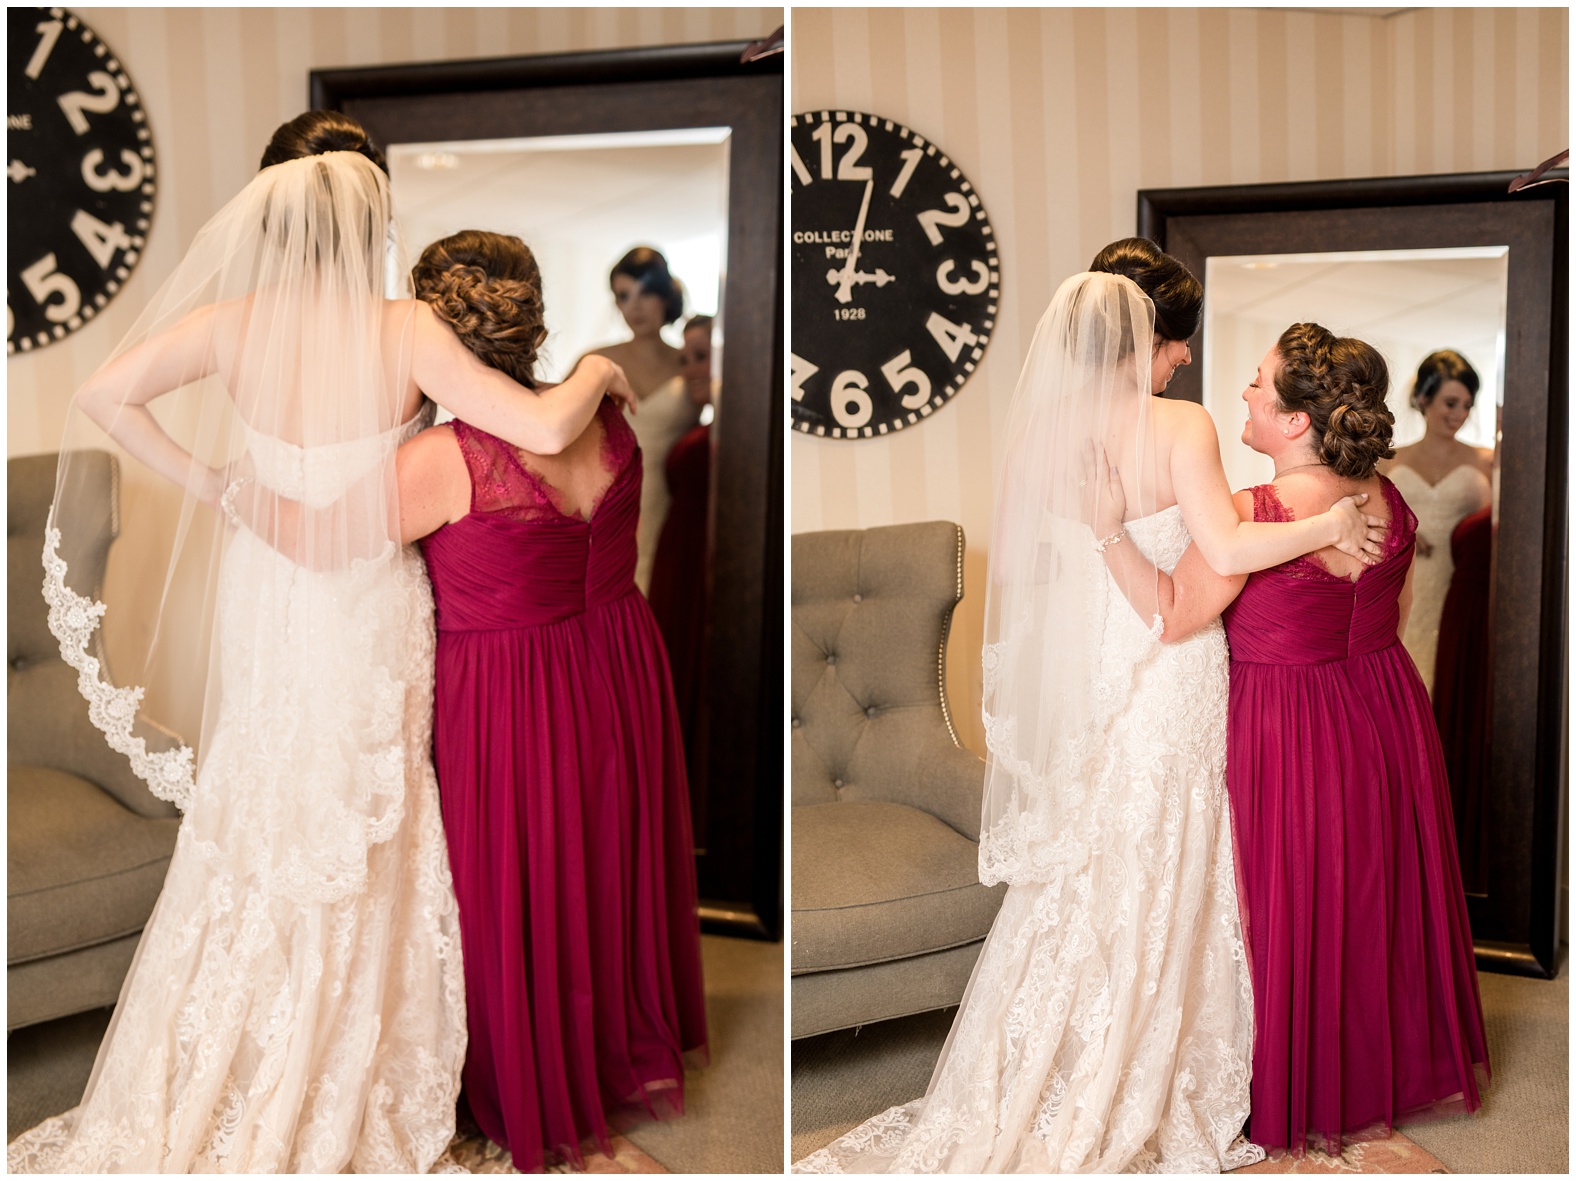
point(297, 1000)
point(1108, 1025)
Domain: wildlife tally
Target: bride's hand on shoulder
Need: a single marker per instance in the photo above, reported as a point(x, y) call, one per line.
point(1360, 535)
point(1104, 501)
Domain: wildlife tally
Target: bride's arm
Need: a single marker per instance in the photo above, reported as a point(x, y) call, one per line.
point(1231, 545)
point(117, 397)
point(543, 421)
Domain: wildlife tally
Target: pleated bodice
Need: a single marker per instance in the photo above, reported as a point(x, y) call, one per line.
point(518, 560)
point(1301, 613)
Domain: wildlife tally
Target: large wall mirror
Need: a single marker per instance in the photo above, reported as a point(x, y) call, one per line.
point(1413, 266)
point(585, 156)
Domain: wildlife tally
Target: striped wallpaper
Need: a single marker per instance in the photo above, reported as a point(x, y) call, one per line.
point(1059, 116)
point(217, 81)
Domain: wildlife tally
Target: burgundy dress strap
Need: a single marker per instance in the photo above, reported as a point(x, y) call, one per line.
point(493, 468)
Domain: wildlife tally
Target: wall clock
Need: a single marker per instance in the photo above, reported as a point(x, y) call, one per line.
point(896, 276)
point(81, 176)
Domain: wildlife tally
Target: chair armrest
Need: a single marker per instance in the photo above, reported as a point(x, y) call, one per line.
point(950, 784)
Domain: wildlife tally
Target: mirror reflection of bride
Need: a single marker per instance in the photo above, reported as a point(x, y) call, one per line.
point(1443, 481)
point(650, 298)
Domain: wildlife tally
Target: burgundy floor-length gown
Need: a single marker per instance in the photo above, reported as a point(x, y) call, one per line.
point(1365, 991)
point(561, 770)
point(679, 600)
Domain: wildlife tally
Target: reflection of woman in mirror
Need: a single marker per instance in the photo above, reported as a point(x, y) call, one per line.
point(295, 1002)
point(1443, 480)
point(679, 579)
point(649, 298)
point(1366, 1005)
point(557, 745)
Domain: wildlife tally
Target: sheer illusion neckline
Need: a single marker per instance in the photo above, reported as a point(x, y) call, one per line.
point(614, 466)
point(1392, 542)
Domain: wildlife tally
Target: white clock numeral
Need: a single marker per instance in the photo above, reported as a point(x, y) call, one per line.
point(49, 33)
point(952, 338)
point(121, 182)
point(846, 167)
point(932, 218)
point(799, 170)
point(43, 281)
point(803, 371)
point(851, 404)
point(955, 286)
point(899, 372)
point(911, 159)
point(101, 240)
point(106, 99)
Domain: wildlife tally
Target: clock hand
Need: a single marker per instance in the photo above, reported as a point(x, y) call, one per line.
point(845, 289)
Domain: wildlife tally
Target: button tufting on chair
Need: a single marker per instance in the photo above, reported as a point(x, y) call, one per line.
point(888, 910)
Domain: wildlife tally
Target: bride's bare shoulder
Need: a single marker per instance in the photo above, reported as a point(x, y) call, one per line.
point(1179, 420)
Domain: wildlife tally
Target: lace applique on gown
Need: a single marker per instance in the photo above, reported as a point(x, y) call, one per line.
point(296, 1003)
point(1108, 1025)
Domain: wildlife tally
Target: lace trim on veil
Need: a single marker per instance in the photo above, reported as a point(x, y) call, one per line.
point(73, 619)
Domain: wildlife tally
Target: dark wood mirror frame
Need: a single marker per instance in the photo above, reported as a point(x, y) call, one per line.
point(741, 778)
point(1518, 920)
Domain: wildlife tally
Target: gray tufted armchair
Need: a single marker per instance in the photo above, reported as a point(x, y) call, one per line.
point(87, 843)
point(888, 911)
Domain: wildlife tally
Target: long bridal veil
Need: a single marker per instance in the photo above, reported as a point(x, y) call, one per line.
point(278, 373)
point(1108, 1021)
point(296, 1003)
point(1053, 679)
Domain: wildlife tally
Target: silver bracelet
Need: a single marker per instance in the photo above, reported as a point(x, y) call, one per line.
point(227, 501)
point(1100, 546)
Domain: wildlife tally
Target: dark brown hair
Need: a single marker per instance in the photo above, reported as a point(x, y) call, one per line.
point(1340, 383)
point(649, 268)
point(489, 289)
point(1178, 297)
point(698, 322)
point(316, 132)
point(1438, 368)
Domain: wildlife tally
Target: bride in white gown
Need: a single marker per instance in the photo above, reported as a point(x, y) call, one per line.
point(1108, 1025)
point(296, 1003)
point(1443, 481)
point(649, 298)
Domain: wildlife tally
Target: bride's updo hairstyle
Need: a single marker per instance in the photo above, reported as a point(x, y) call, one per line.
point(1438, 368)
point(649, 268)
point(1178, 297)
point(489, 289)
point(1340, 383)
point(316, 132)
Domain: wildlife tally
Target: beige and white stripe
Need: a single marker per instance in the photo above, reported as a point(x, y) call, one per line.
point(1059, 116)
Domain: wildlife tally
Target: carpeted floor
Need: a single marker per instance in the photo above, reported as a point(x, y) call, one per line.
point(841, 1079)
point(733, 1119)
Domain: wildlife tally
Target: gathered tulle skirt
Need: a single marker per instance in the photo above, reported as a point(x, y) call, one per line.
point(1365, 987)
point(562, 774)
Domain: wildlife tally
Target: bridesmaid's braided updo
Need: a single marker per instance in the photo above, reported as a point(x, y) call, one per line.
point(1340, 383)
point(489, 289)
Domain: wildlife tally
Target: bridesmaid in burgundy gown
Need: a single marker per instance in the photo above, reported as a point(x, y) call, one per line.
point(558, 750)
point(1365, 990)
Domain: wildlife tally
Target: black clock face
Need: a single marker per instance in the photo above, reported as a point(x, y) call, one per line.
point(896, 277)
point(80, 173)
